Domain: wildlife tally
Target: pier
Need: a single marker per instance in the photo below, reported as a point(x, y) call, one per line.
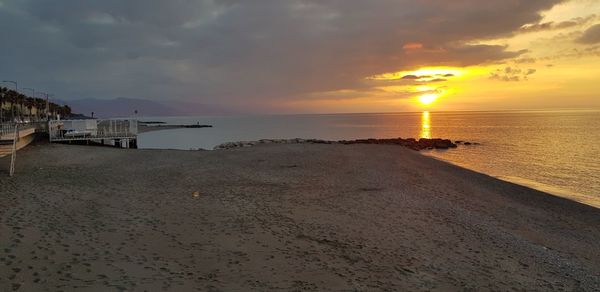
point(121, 133)
point(115, 132)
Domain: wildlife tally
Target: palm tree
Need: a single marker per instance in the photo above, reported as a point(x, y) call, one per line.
point(30, 103)
point(12, 98)
point(20, 102)
point(40, 104)
point(2, 94)
point(53, 110)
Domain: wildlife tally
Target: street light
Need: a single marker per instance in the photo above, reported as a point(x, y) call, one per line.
point(13, 82)
point(32, 90)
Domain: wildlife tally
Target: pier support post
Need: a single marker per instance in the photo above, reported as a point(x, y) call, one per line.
point(118, 143)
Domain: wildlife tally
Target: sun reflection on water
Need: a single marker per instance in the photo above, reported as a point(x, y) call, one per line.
point(425, 125)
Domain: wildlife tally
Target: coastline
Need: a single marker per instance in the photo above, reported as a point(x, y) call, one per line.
point(552, 190)
point(424, 146)
point(315, 217)
point(538, 186)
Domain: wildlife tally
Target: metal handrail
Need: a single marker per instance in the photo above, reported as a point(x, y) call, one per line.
point(8, 128)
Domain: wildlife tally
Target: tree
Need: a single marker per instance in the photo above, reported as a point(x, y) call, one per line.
point(67, 110)
point(20, 102)
point(30, 103)
point(40, 105)
point(12, 99)
point(3, 91)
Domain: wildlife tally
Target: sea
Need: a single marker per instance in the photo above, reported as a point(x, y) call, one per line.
point(553, 151)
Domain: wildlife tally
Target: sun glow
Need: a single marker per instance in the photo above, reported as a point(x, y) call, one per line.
point(428, 98)
point(425, 125)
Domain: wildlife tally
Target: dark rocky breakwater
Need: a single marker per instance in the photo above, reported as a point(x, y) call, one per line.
point(412, 143)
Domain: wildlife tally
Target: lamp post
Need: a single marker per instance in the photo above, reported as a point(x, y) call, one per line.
point(13, 82)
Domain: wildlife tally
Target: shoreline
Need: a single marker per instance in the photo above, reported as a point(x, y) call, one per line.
point(425, 144)
point(552, 190)
point(532, 184)
point(314, 217)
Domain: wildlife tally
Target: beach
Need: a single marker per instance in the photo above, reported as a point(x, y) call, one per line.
point(282, 217)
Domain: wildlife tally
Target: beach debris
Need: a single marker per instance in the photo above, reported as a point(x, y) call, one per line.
point(196, 194)
point(421, 144)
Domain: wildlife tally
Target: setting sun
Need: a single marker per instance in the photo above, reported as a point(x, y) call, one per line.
point(429, 98)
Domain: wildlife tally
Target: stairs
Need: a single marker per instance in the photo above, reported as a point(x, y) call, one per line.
point(6, 145)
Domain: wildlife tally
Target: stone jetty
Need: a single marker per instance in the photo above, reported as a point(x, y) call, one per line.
point(414, 144)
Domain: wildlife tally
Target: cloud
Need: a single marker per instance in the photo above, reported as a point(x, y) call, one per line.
point(591, 35)
point(412, 46)
point(411, 77)
point(525, 60)
point(244, 52)
point(512, 74)
point(574, 53)
point(545, 26)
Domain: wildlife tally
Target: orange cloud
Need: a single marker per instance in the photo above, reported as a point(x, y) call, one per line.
point(412, 46)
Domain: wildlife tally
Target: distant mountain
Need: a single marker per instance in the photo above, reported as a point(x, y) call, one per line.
point(125, 107)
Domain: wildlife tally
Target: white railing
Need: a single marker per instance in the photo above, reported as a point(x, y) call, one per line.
point(7, 130)
point(68, 130)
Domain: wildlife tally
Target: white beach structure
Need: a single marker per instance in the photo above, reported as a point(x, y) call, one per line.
point(118, 132)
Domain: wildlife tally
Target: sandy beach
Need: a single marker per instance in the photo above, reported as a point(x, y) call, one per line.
point(294, 217)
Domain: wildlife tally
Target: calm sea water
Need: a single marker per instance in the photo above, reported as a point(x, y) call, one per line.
point(555, 151)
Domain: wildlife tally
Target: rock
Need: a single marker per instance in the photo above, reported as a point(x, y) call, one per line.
point(411, 143)
point(443, 144)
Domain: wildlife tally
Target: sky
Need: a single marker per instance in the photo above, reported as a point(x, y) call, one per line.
point(309, 56)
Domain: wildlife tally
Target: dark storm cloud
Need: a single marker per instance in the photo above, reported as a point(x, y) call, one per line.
point(243, 51)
